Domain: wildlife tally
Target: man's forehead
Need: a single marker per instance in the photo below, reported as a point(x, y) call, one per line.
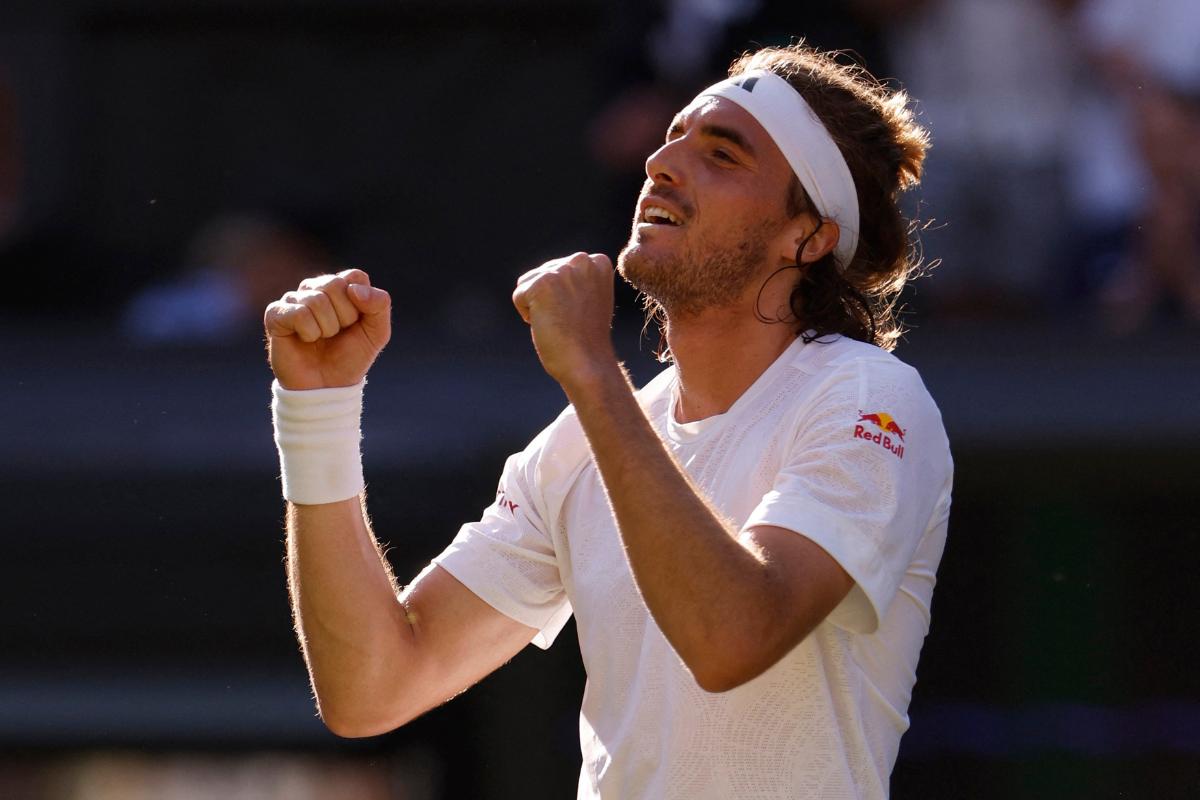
point(707, 110)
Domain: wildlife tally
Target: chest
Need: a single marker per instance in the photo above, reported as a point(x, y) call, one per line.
point(733, 473)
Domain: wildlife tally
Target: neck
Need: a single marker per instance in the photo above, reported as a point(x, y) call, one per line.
point(719, 353)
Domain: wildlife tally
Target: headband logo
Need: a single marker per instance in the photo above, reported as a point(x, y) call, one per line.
point(747, 83)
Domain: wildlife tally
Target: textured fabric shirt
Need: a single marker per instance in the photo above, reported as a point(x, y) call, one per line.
point(838, 441)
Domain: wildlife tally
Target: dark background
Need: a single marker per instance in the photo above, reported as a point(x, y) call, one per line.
point(444, 147)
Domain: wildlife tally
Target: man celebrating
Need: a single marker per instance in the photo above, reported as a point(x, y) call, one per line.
point(748, 543)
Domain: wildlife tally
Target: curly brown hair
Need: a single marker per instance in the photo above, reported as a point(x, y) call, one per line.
point(884, 147)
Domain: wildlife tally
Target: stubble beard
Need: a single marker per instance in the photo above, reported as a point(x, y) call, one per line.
point(685, 283)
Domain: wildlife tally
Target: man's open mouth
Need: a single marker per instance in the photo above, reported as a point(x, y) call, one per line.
point(657, 215)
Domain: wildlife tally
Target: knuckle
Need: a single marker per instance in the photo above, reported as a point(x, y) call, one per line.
point(354, 275)
point(313, 299)
point(276, 316)
point(330, 282)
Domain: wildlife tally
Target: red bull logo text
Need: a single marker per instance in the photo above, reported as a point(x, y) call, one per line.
point(889, 435)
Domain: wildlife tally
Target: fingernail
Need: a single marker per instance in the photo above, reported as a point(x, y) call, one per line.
point(361, 292)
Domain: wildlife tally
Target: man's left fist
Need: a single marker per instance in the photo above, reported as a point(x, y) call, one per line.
point(568, 303)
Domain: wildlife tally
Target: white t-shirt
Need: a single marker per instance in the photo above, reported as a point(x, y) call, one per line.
point(838, 441)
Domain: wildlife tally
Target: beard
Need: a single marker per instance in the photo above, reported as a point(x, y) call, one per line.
point(687, 281)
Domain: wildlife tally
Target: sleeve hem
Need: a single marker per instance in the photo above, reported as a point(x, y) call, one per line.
point(863, 608)
point(481, 579)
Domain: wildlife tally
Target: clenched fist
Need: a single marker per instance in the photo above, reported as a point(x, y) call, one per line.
point(568, 303)
point(328, 332)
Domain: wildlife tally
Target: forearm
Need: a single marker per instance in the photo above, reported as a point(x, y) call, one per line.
point(732, 603)
point(709, 591)
point(351, 627)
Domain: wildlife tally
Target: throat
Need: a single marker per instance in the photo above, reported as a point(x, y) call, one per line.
point(689, 407)
point(715, 371)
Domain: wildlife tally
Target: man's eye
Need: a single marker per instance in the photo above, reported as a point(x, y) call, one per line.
point(721, 155)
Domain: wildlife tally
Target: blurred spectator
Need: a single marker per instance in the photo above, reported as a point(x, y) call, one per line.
point(1137, 166)
point(663, 53)
point(993, 80)
point(235, 266)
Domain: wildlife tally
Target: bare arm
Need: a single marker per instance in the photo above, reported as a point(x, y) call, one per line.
point(376, 657)
point(731, 603)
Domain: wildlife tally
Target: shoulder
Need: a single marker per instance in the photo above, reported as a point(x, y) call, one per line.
point(563, 439)
point(557, 447)
point(857, 382)
point(847, 364)
point(553, 461)
point(838, 355)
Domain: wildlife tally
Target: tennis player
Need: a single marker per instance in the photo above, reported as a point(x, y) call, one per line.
point(748, 543)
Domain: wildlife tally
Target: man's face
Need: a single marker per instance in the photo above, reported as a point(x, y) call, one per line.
point(711, 219)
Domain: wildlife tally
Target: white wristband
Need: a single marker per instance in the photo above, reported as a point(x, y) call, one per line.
point(317, 433)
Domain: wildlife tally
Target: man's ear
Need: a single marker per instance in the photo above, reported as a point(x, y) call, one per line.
point(820, 243)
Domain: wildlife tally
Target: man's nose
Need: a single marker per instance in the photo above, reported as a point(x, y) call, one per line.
point(663, 165)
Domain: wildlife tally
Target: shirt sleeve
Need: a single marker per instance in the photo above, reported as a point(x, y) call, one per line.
point(862, 477)
point(508, 558)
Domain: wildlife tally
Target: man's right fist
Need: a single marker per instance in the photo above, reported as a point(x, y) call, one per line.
point(328, 332)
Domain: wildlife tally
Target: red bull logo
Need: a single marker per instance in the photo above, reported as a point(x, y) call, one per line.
point(890, 435)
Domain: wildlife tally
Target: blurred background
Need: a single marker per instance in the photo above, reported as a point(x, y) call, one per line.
point(168, 167)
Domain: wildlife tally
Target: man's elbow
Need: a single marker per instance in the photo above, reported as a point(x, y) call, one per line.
point(352, 729)
point(720, 669)
point(717, 684)
point(717, 679)
point(362, 724)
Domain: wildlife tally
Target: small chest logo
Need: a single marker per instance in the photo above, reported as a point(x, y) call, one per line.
point(881, 429)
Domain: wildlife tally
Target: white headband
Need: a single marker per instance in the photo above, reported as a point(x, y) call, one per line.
point(805, 143)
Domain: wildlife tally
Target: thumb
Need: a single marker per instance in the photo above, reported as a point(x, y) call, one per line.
point(375, 306)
